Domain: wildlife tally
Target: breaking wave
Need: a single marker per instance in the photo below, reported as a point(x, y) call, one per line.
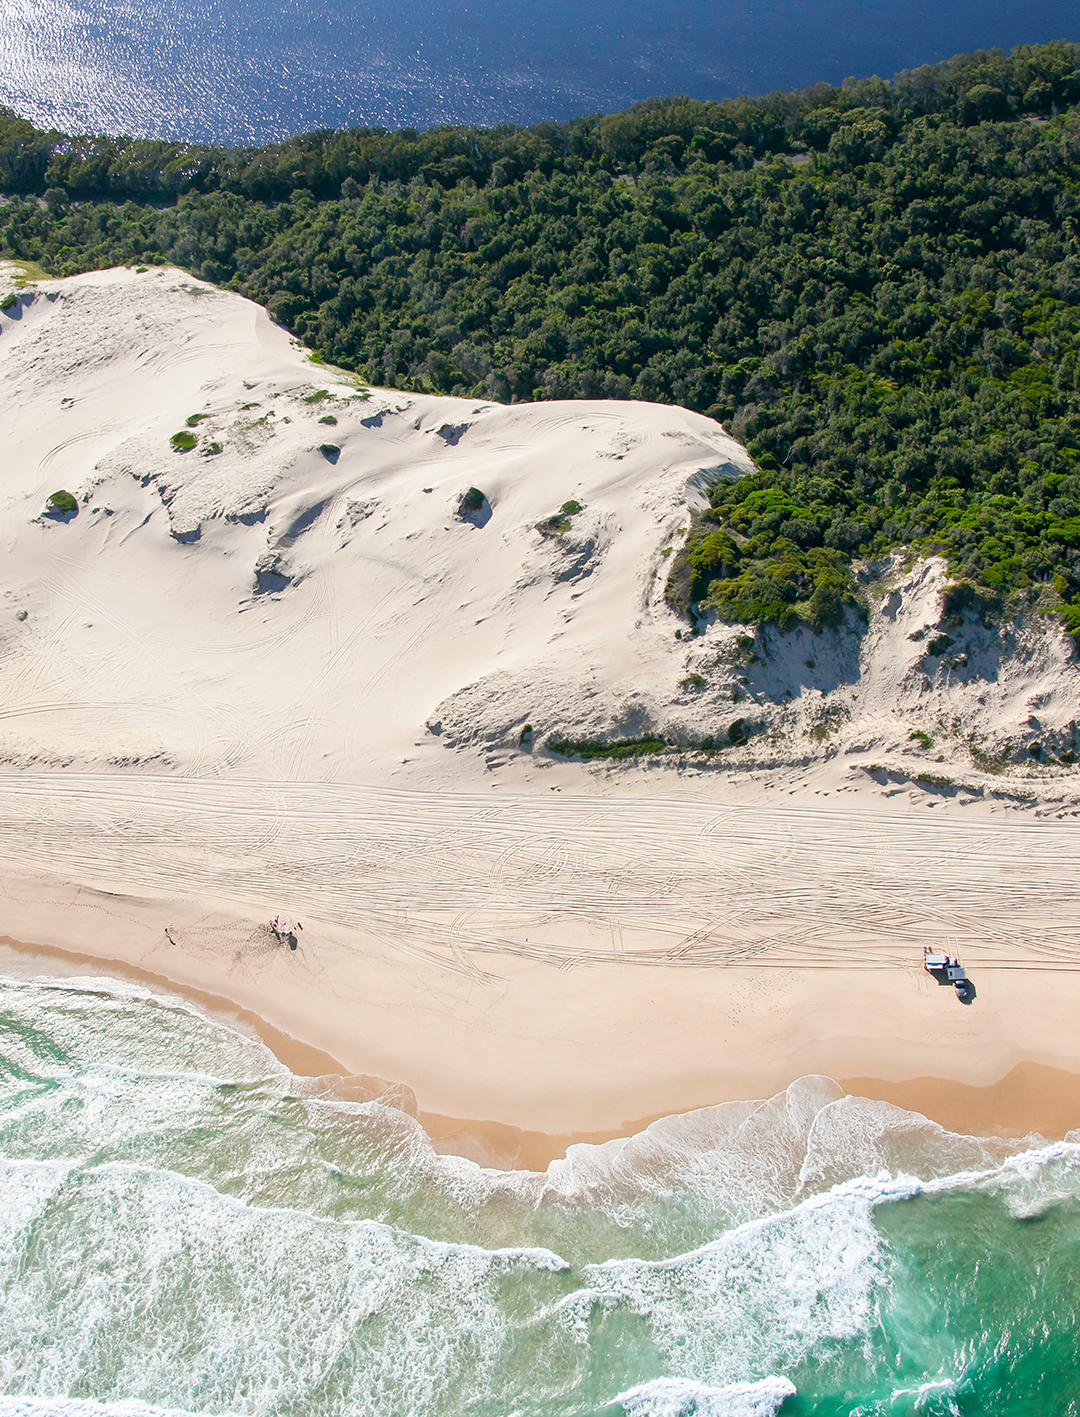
point(185, 1227)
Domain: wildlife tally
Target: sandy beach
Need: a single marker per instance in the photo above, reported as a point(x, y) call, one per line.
point(282, 665)
point(1029, 1097)
point(534, 1021)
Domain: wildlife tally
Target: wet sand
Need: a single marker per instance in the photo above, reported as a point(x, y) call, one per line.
point(1029, 1098)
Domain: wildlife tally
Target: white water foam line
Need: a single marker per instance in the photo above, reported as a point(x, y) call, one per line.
point(680, 1397)
point(41, 1406)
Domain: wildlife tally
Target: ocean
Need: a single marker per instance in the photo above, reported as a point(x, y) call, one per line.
point(186, 1227)
point(242, 71)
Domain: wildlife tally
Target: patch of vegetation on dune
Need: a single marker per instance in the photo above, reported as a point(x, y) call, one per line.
point(62, 503)
point(737, 735)
point(560, 522)
point(598, 748)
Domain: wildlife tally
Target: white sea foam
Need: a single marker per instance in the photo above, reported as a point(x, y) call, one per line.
point(931, 1397)
point(251, 1308)
point(1029, 1182)
point(226, 1243)
point(210, 1305)
point(679, 1397)
point(182, 1037)
point(28, 1189)
point(759, 1298)
point(84, 1407)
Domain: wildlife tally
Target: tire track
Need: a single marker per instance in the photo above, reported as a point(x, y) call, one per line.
point(444, 877)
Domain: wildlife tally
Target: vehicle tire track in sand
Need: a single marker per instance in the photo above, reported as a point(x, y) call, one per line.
point(234, 735)
point(394, 659)
point(586, 881)
point(88, 435)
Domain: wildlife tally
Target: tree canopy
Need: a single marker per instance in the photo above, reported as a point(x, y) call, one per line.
point(876, 286)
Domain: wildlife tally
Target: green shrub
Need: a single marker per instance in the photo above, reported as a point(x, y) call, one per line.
point(739, 651)
point(62, 503)
point(759, 579)
point(939, 644)
point(559, 523)
point(1070, 614)
point(183, 442)
point(596, 748)
point(471, 501)
point(989, 762)
point(693, 681)
point(317, 396)
point(962, 596)
point(194, 419)
point(830, 721)
point(329, 418)
point(917, 735)
point(739, 732)
point(9, 301)
point(707, 556)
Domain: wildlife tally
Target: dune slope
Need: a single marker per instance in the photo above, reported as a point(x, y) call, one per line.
point(296, 594)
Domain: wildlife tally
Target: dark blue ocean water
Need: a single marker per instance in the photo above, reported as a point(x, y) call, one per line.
point(256, 70)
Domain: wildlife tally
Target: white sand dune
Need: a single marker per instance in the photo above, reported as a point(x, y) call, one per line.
point(301, 613)
point(284, 670)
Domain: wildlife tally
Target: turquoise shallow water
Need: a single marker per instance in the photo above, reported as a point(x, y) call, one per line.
point(185, 1227)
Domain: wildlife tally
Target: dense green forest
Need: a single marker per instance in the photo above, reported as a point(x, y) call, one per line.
point(875, 286)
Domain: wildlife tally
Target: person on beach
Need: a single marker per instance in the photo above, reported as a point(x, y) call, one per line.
point(284, 931)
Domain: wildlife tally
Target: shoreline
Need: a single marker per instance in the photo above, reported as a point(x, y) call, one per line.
point(1030, 1097)
point(571, 968)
